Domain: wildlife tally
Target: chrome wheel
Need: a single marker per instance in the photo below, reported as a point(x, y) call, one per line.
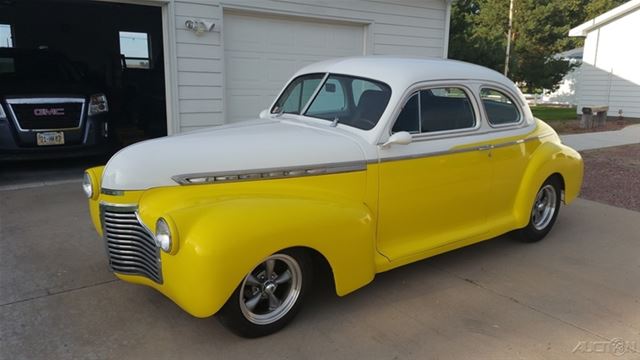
point(271, 289)
point(544, 207)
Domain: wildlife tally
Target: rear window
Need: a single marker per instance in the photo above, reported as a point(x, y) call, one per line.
point(36, 66)
point(135, 49)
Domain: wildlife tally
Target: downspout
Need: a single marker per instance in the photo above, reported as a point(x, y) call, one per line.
point(447, 22)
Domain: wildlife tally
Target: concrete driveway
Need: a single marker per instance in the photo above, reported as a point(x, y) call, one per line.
point(566, 297)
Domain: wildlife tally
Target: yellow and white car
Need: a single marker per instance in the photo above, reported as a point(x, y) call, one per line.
point(365, 164)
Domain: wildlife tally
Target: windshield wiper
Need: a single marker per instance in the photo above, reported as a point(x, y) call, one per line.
point(335, 121)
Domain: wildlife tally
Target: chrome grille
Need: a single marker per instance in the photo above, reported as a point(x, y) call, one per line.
point(39, 114)
point(130, 245)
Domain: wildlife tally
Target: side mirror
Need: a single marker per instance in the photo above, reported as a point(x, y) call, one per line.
point(264, 114)
point(399, 138)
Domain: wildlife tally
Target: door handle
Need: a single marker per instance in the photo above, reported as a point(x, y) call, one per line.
point(484, 147)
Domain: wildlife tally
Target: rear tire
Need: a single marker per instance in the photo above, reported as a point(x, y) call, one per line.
point(270, 296)
point(544, 212)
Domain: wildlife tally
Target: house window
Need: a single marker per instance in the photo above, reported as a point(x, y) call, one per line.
point(6, 38)
point(135, 50)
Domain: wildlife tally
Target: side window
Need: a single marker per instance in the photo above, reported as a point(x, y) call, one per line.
point(296, 95)
point(446, 108)
point(499, 107)
point(330, 99)
point(409, 118)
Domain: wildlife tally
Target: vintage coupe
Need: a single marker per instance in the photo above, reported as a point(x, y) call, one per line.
point(365, 164)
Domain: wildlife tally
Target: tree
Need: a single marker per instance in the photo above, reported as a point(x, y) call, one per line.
point(540, 31)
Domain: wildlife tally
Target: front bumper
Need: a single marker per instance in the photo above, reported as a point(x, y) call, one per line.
point(88, 141)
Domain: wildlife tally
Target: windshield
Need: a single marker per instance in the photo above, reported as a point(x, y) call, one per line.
point(36, 66)
point(344, 99)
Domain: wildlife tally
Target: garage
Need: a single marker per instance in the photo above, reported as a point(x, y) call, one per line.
point(111, 52)
point(262, 52)
point(170, 66)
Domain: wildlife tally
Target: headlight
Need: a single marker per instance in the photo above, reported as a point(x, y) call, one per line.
point(87, 185)
point(163, 235)
point(98, 104)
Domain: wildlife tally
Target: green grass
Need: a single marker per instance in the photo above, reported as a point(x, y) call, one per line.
point(548, 113)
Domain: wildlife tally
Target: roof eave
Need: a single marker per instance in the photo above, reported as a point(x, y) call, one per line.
point(615, 13)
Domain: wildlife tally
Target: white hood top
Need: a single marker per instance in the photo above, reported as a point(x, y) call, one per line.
point(251, 145)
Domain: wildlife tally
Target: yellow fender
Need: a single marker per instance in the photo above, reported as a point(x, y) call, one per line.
point(222, 239)
point(549, 158)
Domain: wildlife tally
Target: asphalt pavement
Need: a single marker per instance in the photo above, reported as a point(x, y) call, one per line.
point(573, 295)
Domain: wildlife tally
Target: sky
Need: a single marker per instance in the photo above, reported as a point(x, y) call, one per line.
point(5, 36)
point(133, 44)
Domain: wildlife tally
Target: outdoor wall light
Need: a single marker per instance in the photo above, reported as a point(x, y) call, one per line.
point(199, 27)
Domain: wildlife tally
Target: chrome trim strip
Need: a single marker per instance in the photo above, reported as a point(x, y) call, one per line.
point(111, 192)
point(78, 100)
point(423, 137)
point(272, 173)
point(463, 150)
point(45, 100)
point(325, 169)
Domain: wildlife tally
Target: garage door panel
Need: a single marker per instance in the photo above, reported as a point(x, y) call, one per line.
point(237, 106)
point(277, 69)
point(240, 69)
point(262, 53)
point(341, 40)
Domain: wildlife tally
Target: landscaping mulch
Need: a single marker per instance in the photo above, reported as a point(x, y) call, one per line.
point(573, 126)
point(612, 176)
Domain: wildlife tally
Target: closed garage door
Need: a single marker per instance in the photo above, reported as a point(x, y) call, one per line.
point(261, 53)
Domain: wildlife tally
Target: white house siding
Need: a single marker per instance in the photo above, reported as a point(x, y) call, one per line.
point(398, 27)
point(610, 74)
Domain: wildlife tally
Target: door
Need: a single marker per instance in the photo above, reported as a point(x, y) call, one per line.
point(263, 52)
point(435, 190)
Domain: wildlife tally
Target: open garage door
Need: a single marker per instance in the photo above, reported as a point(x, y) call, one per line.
point(107, 59)
point(262, 52)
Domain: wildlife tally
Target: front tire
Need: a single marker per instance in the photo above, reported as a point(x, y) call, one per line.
point(270, 296)
point(544, 212)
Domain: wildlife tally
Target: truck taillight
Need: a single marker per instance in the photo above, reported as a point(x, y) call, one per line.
point(98, 104)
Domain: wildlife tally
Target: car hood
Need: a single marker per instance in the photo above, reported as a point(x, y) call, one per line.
point(237, 148)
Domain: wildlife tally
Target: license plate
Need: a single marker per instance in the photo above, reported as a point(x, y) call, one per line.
point(50, 138)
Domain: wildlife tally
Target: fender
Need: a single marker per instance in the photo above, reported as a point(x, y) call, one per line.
point(222, 239)
point(550, 157)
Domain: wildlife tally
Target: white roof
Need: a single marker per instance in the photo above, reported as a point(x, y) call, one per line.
point(402, 72)
point(609, 16)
